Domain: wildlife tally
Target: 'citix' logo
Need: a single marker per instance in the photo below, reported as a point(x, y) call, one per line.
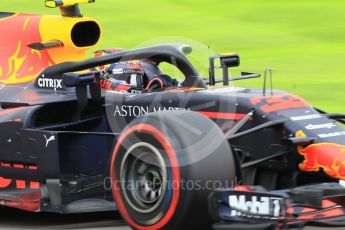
point(45, 82)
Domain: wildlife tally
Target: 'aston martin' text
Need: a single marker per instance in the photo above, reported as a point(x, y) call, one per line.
point(138, 111)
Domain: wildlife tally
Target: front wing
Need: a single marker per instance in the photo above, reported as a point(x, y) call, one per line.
point(253, 207)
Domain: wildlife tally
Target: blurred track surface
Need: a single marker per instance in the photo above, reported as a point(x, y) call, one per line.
point(16, 219)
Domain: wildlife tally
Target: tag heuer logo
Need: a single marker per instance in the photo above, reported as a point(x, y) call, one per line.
point(117, 71)
point(249, 206)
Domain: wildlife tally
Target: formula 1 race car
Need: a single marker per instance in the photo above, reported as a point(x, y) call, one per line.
point(115, 132)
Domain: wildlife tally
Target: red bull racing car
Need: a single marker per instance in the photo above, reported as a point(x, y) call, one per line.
point(115, 132)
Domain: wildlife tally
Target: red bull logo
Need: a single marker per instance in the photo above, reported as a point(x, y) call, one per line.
point(19, 63)
point(327, 156)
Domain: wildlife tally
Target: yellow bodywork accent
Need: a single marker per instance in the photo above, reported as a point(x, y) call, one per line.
point(53, 3)
point(228, 54)
point(50, 4)
point(60, 28)
point(16, 67)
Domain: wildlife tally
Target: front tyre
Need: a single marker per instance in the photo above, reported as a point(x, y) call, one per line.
point(164, 167)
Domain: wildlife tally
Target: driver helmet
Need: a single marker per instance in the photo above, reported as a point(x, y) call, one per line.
point(135, 73)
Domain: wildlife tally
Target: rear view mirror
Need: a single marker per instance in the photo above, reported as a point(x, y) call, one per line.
point(226, 61)
point(74, 79)
point(83, 82)
point(232, 60)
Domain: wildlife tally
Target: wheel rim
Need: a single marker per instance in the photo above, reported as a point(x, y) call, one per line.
point(143, 176)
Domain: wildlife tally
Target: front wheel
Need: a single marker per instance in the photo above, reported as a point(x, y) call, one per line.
point(164, 167)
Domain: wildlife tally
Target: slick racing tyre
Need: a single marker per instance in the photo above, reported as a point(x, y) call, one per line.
point(165, 165)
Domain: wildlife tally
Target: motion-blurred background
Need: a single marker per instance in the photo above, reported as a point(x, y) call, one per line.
point(304, 40)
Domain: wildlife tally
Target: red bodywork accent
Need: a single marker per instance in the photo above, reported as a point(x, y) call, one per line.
point(121, 88)
point(34, 184)
point(245, 188)
point(308, 213)
point(20, 184)
point(169, 150)
point(279, 102)
point(221, 115)
point(9, 111)
point(26, 201)
point(30, 200)
point(17, 60)
point(4, 183)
